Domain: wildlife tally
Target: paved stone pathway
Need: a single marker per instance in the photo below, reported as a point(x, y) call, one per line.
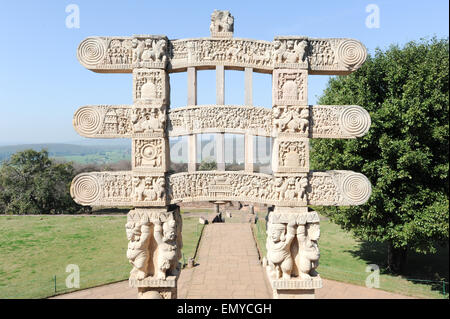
point(228, 267)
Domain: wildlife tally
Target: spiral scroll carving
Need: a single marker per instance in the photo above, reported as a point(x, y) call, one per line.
point(87, 120)
point(85, 189)
point(355, 121)
point(91, 51)
point(351, 53)
point(356, 188)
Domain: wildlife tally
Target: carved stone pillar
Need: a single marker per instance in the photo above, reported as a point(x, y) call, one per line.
point(293, 252)
point(292, 231)
point(154, 250)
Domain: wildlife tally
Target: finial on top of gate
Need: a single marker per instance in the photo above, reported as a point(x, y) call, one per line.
point(222, 24)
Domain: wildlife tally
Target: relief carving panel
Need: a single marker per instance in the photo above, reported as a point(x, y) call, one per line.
point(290, 87)
point(220, 118)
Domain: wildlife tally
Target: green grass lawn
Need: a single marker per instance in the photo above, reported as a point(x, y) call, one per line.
point(342, 258)
point(35, 249)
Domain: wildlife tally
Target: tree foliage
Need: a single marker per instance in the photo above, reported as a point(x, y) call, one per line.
point(32, 183)
point(405, 155)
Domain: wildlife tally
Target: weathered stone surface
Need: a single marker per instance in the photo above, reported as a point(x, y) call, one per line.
point(290, 155)
point(314, 121)
point(122, 188)
point(119, 189)
point(154, 246)
point(290, 87)
point(332, 56)
point(150, 155)
point(220, 118)
point(155, 233)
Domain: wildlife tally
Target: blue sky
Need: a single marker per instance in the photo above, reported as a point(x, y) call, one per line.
point(42, 84)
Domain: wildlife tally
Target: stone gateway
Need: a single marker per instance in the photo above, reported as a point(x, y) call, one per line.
point(154, 226)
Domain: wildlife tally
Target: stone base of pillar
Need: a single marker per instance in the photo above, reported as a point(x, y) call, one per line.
point(296, 288)
point(153, 288)
point(157, 293)
point(294, 294)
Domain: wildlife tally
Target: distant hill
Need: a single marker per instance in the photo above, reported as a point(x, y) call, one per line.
point(98, 154)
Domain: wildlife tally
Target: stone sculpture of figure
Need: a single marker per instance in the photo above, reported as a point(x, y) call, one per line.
point(279, 50)
point(138, 48)
point(138, 189)
point(307, 237)
point(221, 21)
point(278, 246)
point(300, 188)
point(159, 188)
point(301, 50)
point(138, 234)
point(146, 54)
point(166, 236)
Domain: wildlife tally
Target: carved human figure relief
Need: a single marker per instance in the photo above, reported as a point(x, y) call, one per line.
point(168, 252)
point(289, 87)
point(279, 239)
point(291, 52)
point(308, 255)
point(222, 24)
point(148, 121)
point(227, 118)
point(138, 234)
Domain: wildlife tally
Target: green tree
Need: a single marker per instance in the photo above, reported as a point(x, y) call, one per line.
point(405, 155)
point(207, 165)
point(31, 183)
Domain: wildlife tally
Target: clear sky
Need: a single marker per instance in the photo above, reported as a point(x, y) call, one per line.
point(42, 84)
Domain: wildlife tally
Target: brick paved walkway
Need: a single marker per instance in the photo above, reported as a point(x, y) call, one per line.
point(228, 265)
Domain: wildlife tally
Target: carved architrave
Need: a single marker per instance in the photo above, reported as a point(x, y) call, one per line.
point(150, 155)
point(123, 54)
point(335, 56)
point(154, 247)
point(290, 155)
point(220, 118)
point(332, 56)
point(290, 87)
point(239, 186)
point(314, 121)
point(103, 121)
point(151, 87)
point(209, 52)
point(339, 121)
point(338, 188)
point(121, 188)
